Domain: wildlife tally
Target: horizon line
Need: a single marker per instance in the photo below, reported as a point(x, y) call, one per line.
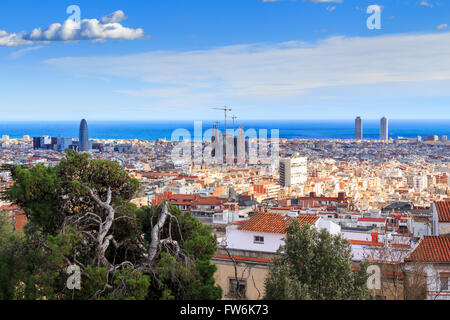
point(184, 120)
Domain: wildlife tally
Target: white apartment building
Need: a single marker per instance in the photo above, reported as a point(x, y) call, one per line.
point(417, 182)
point(265, 232)
point(293, 171)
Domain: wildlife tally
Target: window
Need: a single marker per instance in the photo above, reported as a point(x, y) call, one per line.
point(258, 239)
point(444, 283)
point(238, 288)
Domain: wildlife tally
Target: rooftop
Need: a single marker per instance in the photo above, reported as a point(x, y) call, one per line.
point(274, 223)
point(443, 210)
point(431, 249)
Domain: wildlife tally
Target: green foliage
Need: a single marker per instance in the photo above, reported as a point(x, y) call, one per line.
point(36, 192)
point(33, 265)
point(48, 195)
point(314, 265)
point(9, 240)
point(190, 279)
point(129, 285)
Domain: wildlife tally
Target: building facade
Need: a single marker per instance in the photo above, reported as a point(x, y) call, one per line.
point(358, 129)
point(384, 129)
point(293, 171)
point(84, 137)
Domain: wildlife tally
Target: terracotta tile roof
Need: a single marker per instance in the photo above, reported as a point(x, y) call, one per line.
point(431, 249)
point(367, 243)
point(210, 201)
point(443, 210)
point(274, 223)
point(372, 220)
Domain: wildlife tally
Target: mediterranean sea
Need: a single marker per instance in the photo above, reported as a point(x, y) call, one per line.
point(289, 129)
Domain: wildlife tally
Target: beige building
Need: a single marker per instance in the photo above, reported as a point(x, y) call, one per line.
point(241, 274)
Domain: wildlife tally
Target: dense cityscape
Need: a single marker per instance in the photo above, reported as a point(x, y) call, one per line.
point(225, 159)
point(390, 193)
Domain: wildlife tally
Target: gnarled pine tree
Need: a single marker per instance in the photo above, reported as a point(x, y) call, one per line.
point(80, 214)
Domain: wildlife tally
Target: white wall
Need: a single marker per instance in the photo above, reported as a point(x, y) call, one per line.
point(330, 226)
point(244, 240)
point(433, 282)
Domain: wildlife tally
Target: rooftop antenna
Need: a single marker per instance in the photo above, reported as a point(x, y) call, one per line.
point(225, 109)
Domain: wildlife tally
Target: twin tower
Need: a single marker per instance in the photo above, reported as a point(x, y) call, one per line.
point(384, 129)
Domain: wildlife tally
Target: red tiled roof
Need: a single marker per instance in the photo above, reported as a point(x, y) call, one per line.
point(210, 201)
point(443, 210)
point(431, 249)
point(367, 243)
point(334, 199)
point(274, 223)
point(372, 220)
point(9, 207)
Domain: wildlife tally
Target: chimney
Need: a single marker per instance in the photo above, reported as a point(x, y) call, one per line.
point(375, 237)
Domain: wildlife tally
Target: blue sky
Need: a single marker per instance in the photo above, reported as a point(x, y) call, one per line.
point(175, 59)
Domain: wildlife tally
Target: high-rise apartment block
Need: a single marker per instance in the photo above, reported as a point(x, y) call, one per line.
point(384, 129)
point(358, 129)
point(293, 171)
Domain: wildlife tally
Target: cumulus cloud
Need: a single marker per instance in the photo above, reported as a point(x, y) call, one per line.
point(442, 26)
point(87, 29)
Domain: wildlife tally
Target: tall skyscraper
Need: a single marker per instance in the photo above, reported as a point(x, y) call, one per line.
point(358, 129)
point(293, 171)
point(83, 143)
point(384, 129)
point(241, 145)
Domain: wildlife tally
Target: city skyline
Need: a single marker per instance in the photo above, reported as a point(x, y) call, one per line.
point(287, 129)
point(225, 150)
point(278, 60)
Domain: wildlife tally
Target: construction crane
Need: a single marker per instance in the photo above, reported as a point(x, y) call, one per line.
point(225, 110)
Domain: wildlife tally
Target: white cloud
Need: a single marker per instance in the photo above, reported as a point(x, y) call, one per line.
point(426, 4)
point(21, 52)
point(116, 16)
point(261, 72)
point(87, 29)
point(331, 8)
point(442, 26)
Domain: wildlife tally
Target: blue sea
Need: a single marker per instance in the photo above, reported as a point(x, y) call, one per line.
point(289, 129)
